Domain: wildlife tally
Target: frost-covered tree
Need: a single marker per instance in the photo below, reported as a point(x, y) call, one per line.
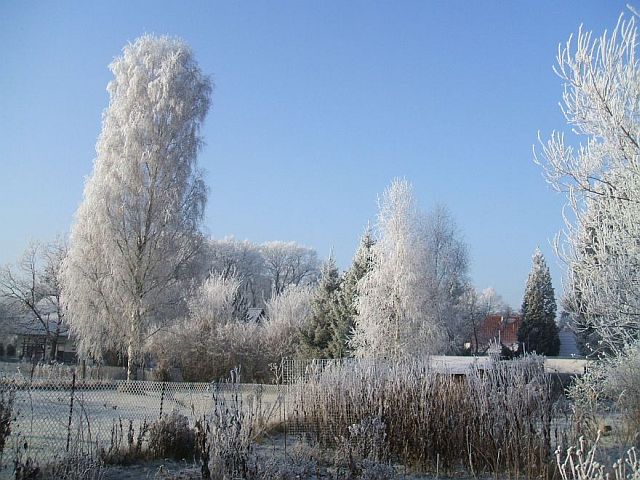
point(6, 318)
point(602, 181)
point(317, 335)
point(243, 259)
point(539, 332)
point(474, 307)
point(137, 229)
point(393, 317)
point(446, 270)
point(345, 307)
point(210, 341)
point(287, 314)
point(215, 302)
point(287, 263)
point(31, 292)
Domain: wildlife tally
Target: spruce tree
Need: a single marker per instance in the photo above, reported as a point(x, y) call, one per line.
point(317, 335)
point(345, 308)
point(539, 332)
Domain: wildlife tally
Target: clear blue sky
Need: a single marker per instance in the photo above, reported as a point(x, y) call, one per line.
point(317, 106)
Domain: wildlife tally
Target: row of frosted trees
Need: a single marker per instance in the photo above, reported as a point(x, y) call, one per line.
point(134, 267)
point(132, 276)
point(138, 275)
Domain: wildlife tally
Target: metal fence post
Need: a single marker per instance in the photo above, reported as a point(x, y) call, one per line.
point(73, 390)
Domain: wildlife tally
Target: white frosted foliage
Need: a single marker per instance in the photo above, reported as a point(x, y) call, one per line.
point(215, 300)
point(287, 313)
point(287, 263)
point(393, 319)
point(601, 178)
point(137, 228)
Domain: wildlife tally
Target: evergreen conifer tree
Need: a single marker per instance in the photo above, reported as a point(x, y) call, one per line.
point(539, 331)
point(345, 306)
point(317, 335)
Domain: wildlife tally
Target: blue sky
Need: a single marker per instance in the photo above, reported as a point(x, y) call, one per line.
point(317, 107)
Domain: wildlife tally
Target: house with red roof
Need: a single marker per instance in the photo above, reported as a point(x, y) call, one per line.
point(497, 329)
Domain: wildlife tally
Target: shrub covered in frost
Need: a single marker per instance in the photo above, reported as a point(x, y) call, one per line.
point(171, 436)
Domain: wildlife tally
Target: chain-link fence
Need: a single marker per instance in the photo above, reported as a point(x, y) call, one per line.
point(50, 416)
point(299, 371)
point(301, 377)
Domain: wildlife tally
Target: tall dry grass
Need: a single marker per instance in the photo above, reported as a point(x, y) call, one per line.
point(493, 420)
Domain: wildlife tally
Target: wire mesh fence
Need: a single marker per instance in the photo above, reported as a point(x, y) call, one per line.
point(50, 416)
point(297, 371)
point(56, 409)
point(301, 377)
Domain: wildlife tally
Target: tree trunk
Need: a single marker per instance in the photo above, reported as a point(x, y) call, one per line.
point(475, 336)
point(54, 350)
point(133, 348)
point(131, 364)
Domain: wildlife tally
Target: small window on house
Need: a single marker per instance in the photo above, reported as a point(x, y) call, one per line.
point(11, 350)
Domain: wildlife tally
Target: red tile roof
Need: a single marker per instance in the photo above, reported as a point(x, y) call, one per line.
point(499, 327)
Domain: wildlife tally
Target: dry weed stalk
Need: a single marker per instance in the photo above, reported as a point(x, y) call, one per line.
point(494, 420)
point(580, 463)
point(226, 437)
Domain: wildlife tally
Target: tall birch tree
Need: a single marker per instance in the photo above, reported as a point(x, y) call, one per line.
point(137, 228)
point(393, 319)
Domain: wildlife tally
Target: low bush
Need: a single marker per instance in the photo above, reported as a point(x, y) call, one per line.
point(80, 461)
point(171, 436)
point(74, 466)
point(622, 385)
point(225, 438)
point(609, 389)
point(126, 444)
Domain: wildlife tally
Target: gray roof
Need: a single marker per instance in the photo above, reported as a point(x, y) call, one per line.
point(27, 324)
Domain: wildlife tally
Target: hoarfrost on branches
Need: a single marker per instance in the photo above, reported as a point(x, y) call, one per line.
point(287, 314)
point(137, 229)
point(216, 300)
point(539, 332)
point(31, 289)
point(243, 259)
point(287, 263)
point(601, 178)
point(393, 318)
point(262, 269)
point(474, 307)
point(447, 264)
